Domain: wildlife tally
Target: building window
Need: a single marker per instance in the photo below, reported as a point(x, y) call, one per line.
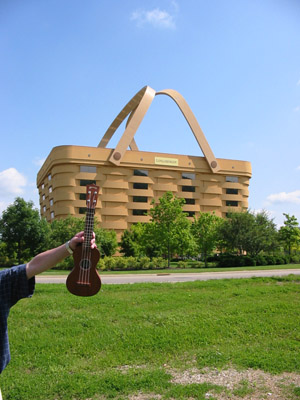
point(138, 185)
point(88, 168)
point(52, 214)
point(43, 186)
point(82, 210)
point(50, 189)
point(232, 191)
point(140, 172)
point(139, 212)
point(43, 197)
point(49, 177)
point(44, 209)
point(140, 199)
point(234, 179)
point(232, 203)
point(82, 196)
point(51, 202)
point(186, 175)
point(190, 201)
point(188, 189)
point(85, 182)
point(190, 213)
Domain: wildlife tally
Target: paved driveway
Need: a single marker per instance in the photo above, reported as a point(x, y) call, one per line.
point(160, 278)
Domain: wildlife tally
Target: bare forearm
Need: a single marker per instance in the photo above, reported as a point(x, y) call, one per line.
point(44, 261)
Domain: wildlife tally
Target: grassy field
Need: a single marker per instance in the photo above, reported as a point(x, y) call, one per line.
point(140, 341)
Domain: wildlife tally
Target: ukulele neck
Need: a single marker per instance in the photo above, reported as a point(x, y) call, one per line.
point(89, 227)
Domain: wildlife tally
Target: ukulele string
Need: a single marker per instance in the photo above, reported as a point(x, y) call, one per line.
point(86, 246)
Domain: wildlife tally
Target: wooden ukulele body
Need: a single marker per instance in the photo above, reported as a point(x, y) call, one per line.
point(84, 279)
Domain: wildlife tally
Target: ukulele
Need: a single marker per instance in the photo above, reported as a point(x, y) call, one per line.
point(84, 279)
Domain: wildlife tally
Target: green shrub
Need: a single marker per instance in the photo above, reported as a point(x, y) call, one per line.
point(182, 264)
point(295, 259)
point(159, 263)
point(143, 263)
point(110, 263)
point(260, 260)
point(101, 265)
point(121, 264)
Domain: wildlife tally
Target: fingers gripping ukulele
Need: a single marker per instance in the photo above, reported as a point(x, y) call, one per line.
point(84, 279)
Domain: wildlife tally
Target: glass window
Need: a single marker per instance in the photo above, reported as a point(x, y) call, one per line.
point(232, 179)
point(138, 185)
point(51, 202)
point(190, 213)
point(82, 210)
point(88, 168)
point(140, 199)
point(232, 191)
point(50, 189)
point(44, 209)
point(188, 189)
point(43, 197)
point(186, 175)
point(52, 214)
point(139, 212)
point(49, 177)
point(190, 201)
point(84, 182)
point(232, 203)
point(43, 186)
point(82, 196)
point(140, 172)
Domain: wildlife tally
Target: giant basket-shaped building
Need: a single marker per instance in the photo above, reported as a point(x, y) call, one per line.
point(129, 179)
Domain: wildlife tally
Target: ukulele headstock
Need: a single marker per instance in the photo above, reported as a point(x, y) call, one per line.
point(91, 196)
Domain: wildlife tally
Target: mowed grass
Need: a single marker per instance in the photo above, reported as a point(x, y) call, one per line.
point(127, 338)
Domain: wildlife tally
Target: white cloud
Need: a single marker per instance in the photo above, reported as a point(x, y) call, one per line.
point(298, 168)
point(11, 182)
point(283, 197)
point(156, 17)
point(296, 109)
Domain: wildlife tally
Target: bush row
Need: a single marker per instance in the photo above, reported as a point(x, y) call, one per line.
point(229, 260)
point(131, 263)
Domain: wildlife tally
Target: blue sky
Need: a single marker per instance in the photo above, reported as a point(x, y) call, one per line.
point(68, 67)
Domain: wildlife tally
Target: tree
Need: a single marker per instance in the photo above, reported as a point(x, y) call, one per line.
point(248, 232)
point(204, 230)
point(170, 229)
point(131, 241)
point(106, 241)
point(289, 234)
point(23, 230)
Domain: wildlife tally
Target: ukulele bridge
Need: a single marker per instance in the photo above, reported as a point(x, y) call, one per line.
point(79, 283)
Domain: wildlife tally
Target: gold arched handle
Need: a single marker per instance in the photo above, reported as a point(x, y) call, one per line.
point(137, 108)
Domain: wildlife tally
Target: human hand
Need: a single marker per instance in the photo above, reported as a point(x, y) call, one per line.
point(79, 238)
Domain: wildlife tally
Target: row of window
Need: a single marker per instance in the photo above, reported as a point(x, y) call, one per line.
point(144, 172)
point(136, 172)
point(82, 210)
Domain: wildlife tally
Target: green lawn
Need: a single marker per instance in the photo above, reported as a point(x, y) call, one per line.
point(129, 338)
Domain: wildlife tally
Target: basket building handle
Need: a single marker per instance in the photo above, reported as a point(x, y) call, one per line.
point(137, 108)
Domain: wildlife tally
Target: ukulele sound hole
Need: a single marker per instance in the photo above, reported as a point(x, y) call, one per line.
point(85, 264)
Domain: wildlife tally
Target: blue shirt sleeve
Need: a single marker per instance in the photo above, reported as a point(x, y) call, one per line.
point(14, 286)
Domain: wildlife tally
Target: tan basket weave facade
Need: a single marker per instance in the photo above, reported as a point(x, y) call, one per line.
point(128, 185)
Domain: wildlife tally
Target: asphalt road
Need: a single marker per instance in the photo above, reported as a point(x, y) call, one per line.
point(185, 277)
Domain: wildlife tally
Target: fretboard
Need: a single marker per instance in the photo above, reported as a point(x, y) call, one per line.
point(89, 227)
